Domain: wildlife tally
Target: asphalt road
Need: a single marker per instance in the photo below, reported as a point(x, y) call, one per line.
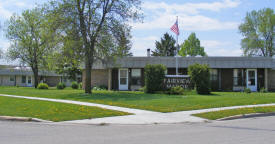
point(244, 131)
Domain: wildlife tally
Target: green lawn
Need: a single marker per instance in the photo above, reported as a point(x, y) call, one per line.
point(154, 102)
point(52, 111)
point(226, 113)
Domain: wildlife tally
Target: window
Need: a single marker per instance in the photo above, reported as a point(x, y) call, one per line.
point(136, 77)
point(238, 77)
point(12, 78)
point(23, 79)
point(213, 74)
point(29, 79)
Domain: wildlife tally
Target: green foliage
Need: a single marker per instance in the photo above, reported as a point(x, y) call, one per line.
point(192, 47)
point(31, 39)
point(142, 89)
point(247, 90)
point(166, 46)
point(74, 85)
point(42, 86)
point(80, 85)
point(258, 30)
point(200, 76)
point(61, 85)
point(178, 90)
point(98, 24)
point(154, 77)
point(263, 90)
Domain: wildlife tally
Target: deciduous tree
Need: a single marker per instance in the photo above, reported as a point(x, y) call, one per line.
point(97, 20)
point(258, 30)
point(31, 39)
point(192, 47)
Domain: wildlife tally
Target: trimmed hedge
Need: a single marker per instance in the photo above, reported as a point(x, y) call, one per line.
point(61, 86)
point(200, 76)
point(42, 86)
point(75, 85)
point(154, 77)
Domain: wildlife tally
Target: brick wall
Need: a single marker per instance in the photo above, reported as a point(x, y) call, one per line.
point(99, 77)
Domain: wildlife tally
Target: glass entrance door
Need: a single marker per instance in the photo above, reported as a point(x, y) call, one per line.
point(251, 79)
point(123, 79)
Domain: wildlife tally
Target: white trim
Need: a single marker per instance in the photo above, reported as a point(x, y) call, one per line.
point(255, 87)
point(123, 87)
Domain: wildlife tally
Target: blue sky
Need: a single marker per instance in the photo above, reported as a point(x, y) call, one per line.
point(214, 21)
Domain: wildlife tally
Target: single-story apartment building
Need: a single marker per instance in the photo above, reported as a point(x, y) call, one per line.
point(227, 73)
point(23, 76)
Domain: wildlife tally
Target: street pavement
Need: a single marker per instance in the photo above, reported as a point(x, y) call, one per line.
point(260, 130)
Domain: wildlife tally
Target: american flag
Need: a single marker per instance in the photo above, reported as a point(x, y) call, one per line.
point(175, 28)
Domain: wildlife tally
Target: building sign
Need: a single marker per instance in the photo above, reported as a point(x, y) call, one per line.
point(177, 80)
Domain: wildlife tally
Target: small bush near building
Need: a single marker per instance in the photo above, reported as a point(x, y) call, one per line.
point(263, 90)
point(200, 76)
point(154, 77)
point(43, 86)
point(61, 85)
point(178, 90)
point(247, 90)
point(80, 85)
point(97, 88)
point(75, 85)
point(104, 87)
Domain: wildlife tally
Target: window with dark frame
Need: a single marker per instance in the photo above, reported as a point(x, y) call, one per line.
point(12, 78)
point(23, 79)
point(136, 77)
point(238, 79)
point(213, 74)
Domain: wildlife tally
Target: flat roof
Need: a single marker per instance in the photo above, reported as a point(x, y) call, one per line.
point(184, 62)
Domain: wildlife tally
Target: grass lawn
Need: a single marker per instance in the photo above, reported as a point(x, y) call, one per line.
point(153, 102)
point(52, 111)
point(226, 113)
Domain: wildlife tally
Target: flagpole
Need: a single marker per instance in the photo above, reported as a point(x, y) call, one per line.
point(177, 71)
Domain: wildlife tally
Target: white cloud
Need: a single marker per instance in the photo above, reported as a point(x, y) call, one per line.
point(218, 48)
point(186, 22)
point(141, 44)
point(3, 12)
point(162, 15)
point(191, 8)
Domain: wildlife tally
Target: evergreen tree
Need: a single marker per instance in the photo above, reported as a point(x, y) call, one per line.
point(166, 46)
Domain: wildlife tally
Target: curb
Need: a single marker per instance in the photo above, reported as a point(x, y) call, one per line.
point(246, 116)
point(22, 119)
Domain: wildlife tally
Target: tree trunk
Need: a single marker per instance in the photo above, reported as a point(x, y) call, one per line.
point(88, 70)
point(36, 77)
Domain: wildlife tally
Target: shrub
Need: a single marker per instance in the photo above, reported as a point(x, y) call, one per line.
point(103, 87)
point(142, 89)
point(200, 76)
point(96, 88)
point(263, 90)
point(75, 85)
point(154, 77)
point(61, 85)
point(80, 85)
point(247, 90)
point(178, 90)
point(42, 86)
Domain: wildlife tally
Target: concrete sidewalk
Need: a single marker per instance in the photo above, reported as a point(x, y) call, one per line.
point(140, 116)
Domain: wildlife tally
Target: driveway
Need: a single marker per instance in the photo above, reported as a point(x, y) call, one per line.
point(259, 130)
